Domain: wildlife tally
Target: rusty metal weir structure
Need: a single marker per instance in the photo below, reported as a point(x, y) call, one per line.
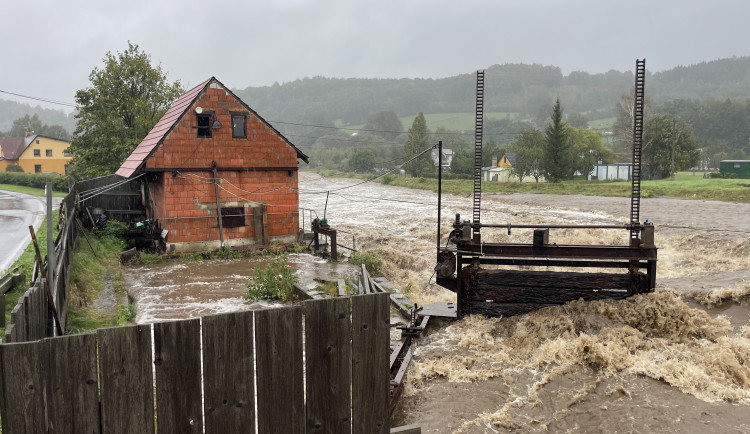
point(526, 283)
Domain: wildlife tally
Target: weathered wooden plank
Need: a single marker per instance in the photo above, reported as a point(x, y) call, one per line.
point(10, 332)
point(407, 429)
point(370, 371)
point(366, 279)
point(515, 294)
point(17, 319)
point(22, 400)
point(438, 309)
point(278, 345)
point(551, 279)
point(327, 362)
point(491, 309)
point(126, 380)
point(178, 376)
point(229, 391)
point(342, 287)
point(70, 377)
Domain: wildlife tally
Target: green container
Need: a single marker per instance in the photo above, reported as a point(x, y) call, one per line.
point(739, 167)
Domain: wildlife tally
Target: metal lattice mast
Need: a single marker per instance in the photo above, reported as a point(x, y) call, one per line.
point(478, 128)
point(638, 106)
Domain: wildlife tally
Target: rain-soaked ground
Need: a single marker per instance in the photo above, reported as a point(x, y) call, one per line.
point(677, 360)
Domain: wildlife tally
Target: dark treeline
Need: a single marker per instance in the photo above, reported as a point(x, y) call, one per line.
point(11, 111)
point(516, 88)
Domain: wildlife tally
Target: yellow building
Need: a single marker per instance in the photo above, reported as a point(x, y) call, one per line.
point(35, 154)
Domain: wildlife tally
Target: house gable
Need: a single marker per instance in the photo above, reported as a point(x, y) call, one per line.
point(174, 141)
point(36, 153)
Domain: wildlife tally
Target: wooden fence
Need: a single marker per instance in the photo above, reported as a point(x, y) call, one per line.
point(120, 201)
point(118, 381)
point(30, 318)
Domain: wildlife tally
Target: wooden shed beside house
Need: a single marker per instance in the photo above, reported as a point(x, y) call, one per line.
point(215, 174)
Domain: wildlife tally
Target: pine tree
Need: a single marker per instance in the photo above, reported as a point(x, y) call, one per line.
point(558, 152)
point(416, 143)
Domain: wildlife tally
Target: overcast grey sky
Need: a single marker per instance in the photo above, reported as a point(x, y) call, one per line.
point(49, 47)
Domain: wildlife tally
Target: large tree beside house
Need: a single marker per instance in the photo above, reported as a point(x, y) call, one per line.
point(126, 98)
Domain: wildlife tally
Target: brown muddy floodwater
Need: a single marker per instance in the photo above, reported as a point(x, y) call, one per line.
point(677, 360)
point(181, 290)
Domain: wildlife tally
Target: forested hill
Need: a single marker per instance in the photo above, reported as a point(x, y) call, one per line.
point(12, 110)
point(528, 90)
point(514, 88)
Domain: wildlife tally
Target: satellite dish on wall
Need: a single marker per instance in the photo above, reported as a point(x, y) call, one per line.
point(199, 110)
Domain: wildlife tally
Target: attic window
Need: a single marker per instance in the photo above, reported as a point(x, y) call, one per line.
point(238, 126)
point(204, 124)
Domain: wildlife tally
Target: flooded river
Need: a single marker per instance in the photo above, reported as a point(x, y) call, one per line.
point(677, 360)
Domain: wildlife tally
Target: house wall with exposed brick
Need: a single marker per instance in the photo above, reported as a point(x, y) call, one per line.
point(258, 169)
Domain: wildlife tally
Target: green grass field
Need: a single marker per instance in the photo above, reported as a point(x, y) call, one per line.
point(453, 121)
point(29, 190)
point(685, 185)
point(601, 124)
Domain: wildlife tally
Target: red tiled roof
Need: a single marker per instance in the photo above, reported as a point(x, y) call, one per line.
point(161, 129)
point(13, 147)
point(139, 155)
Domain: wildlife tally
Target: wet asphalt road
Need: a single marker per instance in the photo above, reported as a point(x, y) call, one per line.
point(17, 212)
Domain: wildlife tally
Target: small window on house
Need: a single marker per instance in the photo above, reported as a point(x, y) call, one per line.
point(204, 125)
point(48, 152)
point(37, 152)
point(232, 217)
point(37, 168)
point(37, 141)
point(238, 127)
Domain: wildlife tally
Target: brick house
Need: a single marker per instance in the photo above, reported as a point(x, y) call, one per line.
point(214, 173)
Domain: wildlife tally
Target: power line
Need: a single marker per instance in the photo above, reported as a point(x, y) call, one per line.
point(371, 179)
point(39, 99)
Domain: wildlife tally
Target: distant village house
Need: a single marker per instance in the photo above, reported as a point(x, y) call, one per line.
point(216, 174)
point(447, 159)
point(35, 154)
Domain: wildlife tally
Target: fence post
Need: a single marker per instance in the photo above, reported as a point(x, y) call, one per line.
point(50, 242)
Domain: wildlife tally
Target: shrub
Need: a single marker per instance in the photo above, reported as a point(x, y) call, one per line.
point(275, 281)
point(14, 168)
point(372, 260)
point(387, 179)
point(59, 183)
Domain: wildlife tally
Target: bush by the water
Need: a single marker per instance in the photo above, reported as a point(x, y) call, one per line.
point(59, 183)
point(373, 260)
point(275, 281)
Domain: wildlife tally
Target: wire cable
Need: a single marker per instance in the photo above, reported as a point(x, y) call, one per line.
point(371, 179)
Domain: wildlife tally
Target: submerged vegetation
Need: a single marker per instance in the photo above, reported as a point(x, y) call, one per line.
point(372, 259)
point(275, 281)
